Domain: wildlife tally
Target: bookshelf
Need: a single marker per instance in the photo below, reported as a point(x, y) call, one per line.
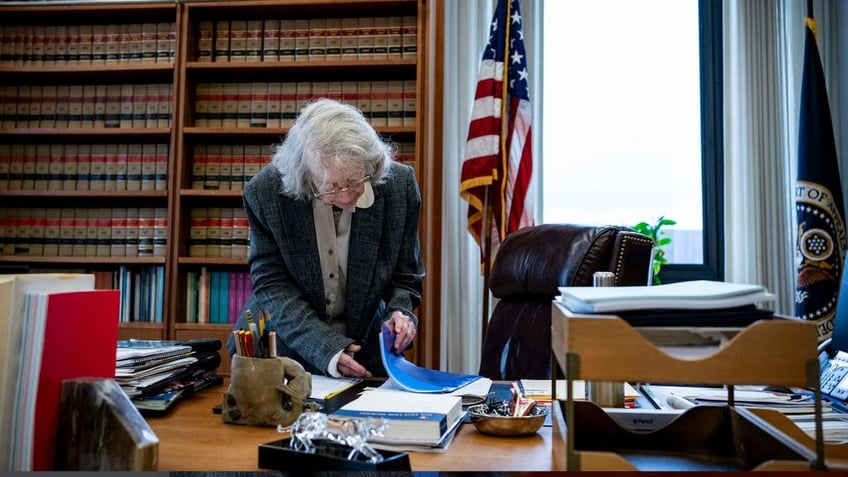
point(225, 90)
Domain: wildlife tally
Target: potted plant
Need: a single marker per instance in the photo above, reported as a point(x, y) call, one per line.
point(661, 239)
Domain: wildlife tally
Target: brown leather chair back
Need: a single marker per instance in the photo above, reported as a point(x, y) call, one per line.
point(531, 264)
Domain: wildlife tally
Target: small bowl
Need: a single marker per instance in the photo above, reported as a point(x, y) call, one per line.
point(497, 425)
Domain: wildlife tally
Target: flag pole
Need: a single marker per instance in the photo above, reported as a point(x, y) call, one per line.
point(486, 238)
point(486, 243)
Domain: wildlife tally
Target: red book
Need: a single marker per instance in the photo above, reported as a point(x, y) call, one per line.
point(80, 340)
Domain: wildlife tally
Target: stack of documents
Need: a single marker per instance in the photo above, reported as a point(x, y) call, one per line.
point(146, 368)
point(690, 295)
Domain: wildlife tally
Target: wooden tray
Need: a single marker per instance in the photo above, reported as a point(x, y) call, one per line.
point(704, 438)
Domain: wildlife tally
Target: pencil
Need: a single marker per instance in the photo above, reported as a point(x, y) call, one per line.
point(272, 344)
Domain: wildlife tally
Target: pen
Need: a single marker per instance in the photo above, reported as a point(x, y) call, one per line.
point(261, 323)
point(251, 326)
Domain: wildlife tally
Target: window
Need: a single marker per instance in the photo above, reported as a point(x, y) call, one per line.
point(632, 122)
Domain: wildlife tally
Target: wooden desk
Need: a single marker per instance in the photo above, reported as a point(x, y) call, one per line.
point(193, 438)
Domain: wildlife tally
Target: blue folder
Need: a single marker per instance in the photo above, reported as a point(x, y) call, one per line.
point(417, 379)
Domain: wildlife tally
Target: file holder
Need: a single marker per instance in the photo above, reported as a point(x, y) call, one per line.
point(778, 352)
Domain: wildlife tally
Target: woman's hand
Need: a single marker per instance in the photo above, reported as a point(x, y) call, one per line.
point(404, 330)
point(348, 366)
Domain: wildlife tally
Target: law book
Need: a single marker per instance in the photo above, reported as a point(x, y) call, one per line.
point(38, 227)
point(288, 103)
point(103, 221)
point(47, 119)
point(112, 102)
point(197, 232)
point(151, 106)
point(35, 102)
point(413, 418)
point(213, 232)
point(139, 106)
point(226, 241)
point(13, 292)
point(28, 160)
point(118, 240)
point(240, 234)
point(287, 48)
point(160, 182)
point(60, 35)
point(91, 233)
point(317, 39)
point(271, 39)
point(301, 39)
point(333, 39)
point(22, 109)
point(129, 165)
point(379, 103)
point(149, 39)
point(114, 53)
point(363, 98)
point(244, 98)
point(122, 166)
point(166, 40)
point(39, 40)
point(22, 231)
point(89, 100)
point(410, 103)
point(86, 32)
point(101, 96)
point(221, 43)
point(198, 166)
point(148, 167)
point(394, 103)
point(52, 228)
point(225, 167)
point(238, 41)
point(98, 44)
point(236, 160)
point(126, 106)
point(110, 178)
point(229, 105)
point(213, 167)
point(201, 105)
point(5, 161)
point(146, 220)
point(9, 230)
point(41, 179)
point(97, 174)
point(381, 37)
point(253, 40)
point(80, 231)
point(131, 233)
point(216, 105)
point(160, 231)
point(83, 167)
point(75, 99)
point(365, 38)
point(205, 33)
point(689, 295)
point(164, 115)
point(409, 41)
point(254, 160)
point(350, 40)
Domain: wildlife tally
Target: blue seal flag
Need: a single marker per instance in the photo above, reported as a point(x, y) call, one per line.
point(821, 242)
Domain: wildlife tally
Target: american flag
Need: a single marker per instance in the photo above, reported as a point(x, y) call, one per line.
point(819, 208)
point(499, 155)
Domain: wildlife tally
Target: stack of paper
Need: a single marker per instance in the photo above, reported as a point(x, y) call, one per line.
point(690, 295)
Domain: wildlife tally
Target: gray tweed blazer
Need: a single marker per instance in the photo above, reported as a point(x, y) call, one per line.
point(384, 272)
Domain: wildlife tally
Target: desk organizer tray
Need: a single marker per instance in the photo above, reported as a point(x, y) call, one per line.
point(278, 455)
point(776, 352)
point(704, 438)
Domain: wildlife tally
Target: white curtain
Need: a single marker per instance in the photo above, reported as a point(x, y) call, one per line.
point(466, 32)
point(764, 44)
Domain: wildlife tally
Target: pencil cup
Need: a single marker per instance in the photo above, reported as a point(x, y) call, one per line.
point(265, 391)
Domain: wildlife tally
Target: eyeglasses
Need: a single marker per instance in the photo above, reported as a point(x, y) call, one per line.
point(338, 190)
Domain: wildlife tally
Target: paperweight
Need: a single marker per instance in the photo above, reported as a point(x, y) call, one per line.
point(278, 455)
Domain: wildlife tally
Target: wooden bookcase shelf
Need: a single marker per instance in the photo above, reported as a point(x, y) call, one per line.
point(778, 352)
point(39, 45)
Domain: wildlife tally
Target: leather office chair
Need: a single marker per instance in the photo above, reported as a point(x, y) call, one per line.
point(530, 266)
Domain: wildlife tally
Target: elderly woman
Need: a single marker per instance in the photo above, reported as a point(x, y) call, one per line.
point(334, 250)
